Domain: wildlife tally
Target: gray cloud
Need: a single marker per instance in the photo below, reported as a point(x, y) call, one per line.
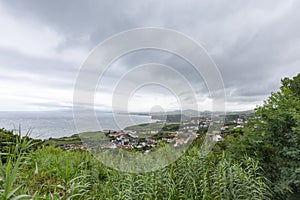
point(254, 44)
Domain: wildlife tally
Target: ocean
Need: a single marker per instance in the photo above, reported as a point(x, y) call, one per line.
point(56, 124)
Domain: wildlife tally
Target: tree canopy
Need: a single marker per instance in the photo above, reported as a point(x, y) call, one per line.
point(273, 137)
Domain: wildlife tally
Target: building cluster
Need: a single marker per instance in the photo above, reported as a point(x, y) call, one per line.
point(129, 139)
point(189, 130)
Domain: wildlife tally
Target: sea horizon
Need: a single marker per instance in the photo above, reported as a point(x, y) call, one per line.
point(56, 124)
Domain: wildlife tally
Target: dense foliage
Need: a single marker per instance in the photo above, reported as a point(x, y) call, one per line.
point(273, 138)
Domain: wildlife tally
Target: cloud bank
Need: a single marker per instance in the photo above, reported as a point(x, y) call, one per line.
point(43, 43)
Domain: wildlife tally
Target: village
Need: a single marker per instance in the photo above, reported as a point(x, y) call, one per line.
point(146, 137)
point(179, 134)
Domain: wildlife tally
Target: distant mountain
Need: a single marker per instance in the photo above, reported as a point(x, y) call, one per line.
point(193, 113)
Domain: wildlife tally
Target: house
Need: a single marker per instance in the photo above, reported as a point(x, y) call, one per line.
point(216, 132)
point(150, 140)
point(133, 135)
point(109, 145)
point(174, 134)
point(124, 140)
point(224, 128)
point(217, 138)
point(115, 134)
point(179, 142)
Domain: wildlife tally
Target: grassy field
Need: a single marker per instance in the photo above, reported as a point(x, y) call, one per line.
point(147, 127)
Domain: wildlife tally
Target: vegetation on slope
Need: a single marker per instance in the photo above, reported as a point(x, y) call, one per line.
point(273, 138)
point(51, 173)
point(260, 162)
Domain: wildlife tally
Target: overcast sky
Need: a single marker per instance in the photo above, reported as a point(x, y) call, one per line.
point(43, 44)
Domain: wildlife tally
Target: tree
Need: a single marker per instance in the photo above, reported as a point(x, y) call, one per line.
point(273, 137)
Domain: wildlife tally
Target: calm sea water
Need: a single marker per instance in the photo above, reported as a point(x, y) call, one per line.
point(59, 124)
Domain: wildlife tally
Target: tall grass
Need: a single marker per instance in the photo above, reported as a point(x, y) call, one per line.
point(191, 177)
point(51, 173)
point(14, 159)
